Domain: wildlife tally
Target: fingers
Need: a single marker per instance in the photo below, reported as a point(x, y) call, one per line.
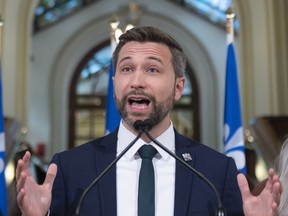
point(274, 186)
point(26, 157)
point(21, 176)
point(272, 175)
point(274, 182)
point(23, 164)
point(50, 176)
point(20, 188)
point(21, 182)
point(243, 185)
point(272, 178)
point(276, 192)
point(275, 210)
point(20, 197)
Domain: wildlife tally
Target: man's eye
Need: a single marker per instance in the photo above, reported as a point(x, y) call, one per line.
point(126, 69)
point(152, 70)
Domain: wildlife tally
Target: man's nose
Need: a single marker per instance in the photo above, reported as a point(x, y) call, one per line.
point(138, 80)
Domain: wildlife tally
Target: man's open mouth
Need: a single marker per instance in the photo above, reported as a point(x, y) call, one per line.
point(138, 102)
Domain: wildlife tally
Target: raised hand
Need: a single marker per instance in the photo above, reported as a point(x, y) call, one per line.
point(266, 203)
point(33, 199)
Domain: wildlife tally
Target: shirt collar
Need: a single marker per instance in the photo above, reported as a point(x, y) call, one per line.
point(125, 137)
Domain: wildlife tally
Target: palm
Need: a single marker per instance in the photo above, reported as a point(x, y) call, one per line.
point(266, 203)
point(253, 206)
point(37, 198)
point(33, 199)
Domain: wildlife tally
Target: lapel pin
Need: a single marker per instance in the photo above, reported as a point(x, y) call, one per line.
point(187, 157)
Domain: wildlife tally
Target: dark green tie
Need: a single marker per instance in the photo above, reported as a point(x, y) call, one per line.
point(146, 190)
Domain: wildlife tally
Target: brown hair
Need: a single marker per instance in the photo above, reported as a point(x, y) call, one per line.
point(151, 34)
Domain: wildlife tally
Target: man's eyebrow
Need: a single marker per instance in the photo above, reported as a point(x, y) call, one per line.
point(123, 59)
point(149, 58)
point(156, 59)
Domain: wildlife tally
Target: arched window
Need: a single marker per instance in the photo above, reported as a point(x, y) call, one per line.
point(87, 101)
point(88, 94)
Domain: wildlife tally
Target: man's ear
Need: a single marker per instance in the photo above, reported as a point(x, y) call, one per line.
point(179, 87)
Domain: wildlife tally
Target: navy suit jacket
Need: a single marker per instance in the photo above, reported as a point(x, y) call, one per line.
point(78, 167)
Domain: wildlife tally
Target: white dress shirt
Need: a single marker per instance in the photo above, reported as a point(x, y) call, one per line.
point(128, 168)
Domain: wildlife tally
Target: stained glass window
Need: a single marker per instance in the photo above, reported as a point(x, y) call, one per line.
point(50, 11)
point(212, 10)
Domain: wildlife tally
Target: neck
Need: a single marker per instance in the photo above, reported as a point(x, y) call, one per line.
point(156, 131)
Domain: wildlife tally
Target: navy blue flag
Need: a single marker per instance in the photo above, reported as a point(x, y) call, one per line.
point(112, 115)
point(3, 199)
point(233, 129)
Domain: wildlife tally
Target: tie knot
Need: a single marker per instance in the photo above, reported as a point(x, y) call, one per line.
point(147, 151)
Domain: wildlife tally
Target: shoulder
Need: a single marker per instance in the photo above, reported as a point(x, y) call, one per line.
point(89, 149)
point(206, 159)
point(200, 149)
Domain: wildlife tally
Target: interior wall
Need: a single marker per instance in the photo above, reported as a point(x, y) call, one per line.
point(16, 38)
point(36, 92)
point(261, 68)
point(281, 17)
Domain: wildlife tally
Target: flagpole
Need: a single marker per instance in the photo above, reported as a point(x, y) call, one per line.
point(230, 16)
point(1, 28)
point(114, 31)
point(3, 197)
point(112, 115)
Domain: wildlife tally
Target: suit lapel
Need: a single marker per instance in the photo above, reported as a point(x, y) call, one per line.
point(107, 185)
point(184, 178)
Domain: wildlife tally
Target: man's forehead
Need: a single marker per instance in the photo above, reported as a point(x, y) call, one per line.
point(148, 49)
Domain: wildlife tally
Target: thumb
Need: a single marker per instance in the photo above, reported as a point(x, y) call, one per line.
point(243, 185)
point(50, 176)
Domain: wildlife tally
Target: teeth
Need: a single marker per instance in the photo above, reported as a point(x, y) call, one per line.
point(137, 99)
point(139, 106)
point(139, 102)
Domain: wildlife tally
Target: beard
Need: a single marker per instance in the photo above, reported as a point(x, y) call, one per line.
point(159, 110)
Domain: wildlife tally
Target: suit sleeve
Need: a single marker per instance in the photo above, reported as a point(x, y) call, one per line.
point(58, 203)
point(232, 199)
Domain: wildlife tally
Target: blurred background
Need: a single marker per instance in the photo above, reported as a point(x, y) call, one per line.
point(55, 57)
